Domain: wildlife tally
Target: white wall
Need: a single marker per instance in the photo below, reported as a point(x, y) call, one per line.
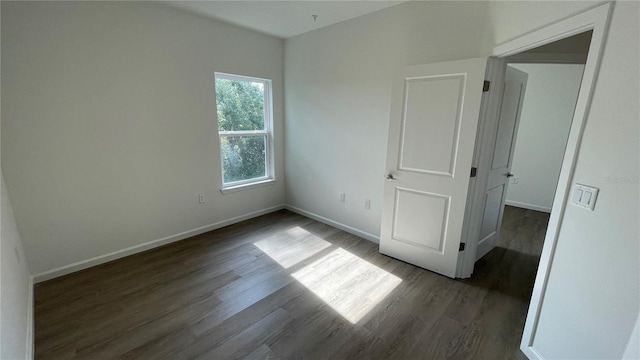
point(337, 107)
point(16, 295)
point(16, 286)
point(108, 124)
point(107, 135)
point(593, 292)
point(338, 82)
point(552, 90)
point(633, 347)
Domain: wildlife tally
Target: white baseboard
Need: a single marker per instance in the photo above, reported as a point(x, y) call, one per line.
point(528, 206)
point(531, 353)
point(30, 342)
point(341, 226)
point(84, 264)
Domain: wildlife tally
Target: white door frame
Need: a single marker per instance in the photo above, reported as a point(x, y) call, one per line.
point(597, 20)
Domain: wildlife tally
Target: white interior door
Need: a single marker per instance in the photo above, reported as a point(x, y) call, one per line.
point(515, 85)
point(432, 132)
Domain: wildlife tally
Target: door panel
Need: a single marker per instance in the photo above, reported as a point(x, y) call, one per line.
point(432, 131)
point(509, 112)
point(513, 95)
point(412, 227)
point(434, 97)
point(491, 211)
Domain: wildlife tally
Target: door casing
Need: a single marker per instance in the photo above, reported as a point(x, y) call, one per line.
point(596, 20)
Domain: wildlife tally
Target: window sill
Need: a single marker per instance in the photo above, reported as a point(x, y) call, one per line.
point(232, 189)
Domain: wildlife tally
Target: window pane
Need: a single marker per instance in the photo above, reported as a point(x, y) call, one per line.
point(240, 105)
point(243, 157)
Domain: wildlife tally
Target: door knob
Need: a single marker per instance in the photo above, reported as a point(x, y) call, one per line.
point(509, 175)
point(390, 177)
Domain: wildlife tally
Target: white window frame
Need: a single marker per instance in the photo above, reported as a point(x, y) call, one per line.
point(267, 133)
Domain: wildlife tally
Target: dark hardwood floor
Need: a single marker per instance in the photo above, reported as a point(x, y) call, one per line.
point(319, 293)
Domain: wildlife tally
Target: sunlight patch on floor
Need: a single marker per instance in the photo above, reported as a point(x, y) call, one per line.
point(292, 246)
point(347, 283)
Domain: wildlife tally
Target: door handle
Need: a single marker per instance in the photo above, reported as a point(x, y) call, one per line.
point(509, 175)
point(390, 177)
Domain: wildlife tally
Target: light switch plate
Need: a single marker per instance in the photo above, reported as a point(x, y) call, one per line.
point(584, 196)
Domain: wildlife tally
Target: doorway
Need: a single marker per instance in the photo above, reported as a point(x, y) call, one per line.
point(531, 137)
point(543, 131)
point(532, 133)
point(541, 140)
point(535, 224)
point(453, 198)
point(595, 20)
point(548, 106)
point(540, 143)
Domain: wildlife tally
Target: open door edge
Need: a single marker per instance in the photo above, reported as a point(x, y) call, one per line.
point(485, 142)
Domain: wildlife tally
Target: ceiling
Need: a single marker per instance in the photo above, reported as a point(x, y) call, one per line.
point(282, 19)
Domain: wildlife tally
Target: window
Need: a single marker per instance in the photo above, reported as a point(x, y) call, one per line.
point(245, 129)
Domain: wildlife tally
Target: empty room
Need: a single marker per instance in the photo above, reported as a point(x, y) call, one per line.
point(320, 180)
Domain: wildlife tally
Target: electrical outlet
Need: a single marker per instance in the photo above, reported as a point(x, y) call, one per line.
point(516, 180)
point(341, 197)
point(367, 204)
point(200, 198)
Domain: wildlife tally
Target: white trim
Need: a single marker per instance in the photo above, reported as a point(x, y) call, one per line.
point(244, 133)
point(81, 265)
point(246, 186)
point(528, 206)
point(30, 342)
point(267, 132)
point(532, 354)
point(341, 226)
point(84, 264)
point(547, 58)
point(562, 29)
point(235, 77)
point(596, 19)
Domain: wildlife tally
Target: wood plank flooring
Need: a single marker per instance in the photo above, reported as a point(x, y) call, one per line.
point(255, 290)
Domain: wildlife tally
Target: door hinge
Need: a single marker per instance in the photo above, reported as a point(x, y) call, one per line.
point(474, 171)
point(486, 85)
point(462, 246)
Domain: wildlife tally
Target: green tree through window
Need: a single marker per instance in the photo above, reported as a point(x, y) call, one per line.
point(243, 125)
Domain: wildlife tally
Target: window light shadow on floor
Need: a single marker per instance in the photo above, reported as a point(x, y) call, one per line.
point(292, 246)
point(350, 285)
